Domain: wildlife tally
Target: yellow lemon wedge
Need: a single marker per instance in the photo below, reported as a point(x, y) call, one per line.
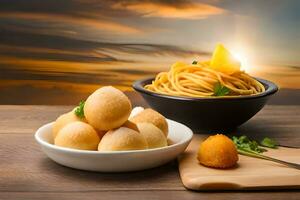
point(223, 61)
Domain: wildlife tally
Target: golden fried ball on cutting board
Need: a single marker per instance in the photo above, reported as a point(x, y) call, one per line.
point(218, 151)
point(153, 135)
point(151, 116)
point(107, 108)
point(63, 120)
point(122, 139)
point(78, 135)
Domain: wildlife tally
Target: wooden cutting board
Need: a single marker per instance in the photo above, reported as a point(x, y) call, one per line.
point(251, 173)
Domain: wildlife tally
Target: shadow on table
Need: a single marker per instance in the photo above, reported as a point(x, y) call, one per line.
point(132, 179)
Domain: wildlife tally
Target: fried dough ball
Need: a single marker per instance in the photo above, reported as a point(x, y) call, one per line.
point(63, 120)
point(151, 116)
point(131, 125)
point(107, 108)
point(135, 111)
point(218, 151)
point(122, 139)
point(78, 135)
point(153, 135)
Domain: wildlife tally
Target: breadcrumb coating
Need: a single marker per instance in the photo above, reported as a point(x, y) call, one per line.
point(218, 151)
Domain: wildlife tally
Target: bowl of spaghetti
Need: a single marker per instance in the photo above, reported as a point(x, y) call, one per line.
point(210, 95)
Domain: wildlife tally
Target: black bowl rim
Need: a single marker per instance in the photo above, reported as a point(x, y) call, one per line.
point(271, 89)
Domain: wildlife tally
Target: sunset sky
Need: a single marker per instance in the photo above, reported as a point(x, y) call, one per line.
point(51, 50)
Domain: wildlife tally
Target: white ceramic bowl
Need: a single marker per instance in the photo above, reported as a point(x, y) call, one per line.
point(116, 161)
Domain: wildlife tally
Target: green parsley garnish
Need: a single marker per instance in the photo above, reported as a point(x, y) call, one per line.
point(243, 143)
point(195, 62)
point(79, 110)
point(220, 90)
point(248, 147)
point(268, 142)
point(251, 148)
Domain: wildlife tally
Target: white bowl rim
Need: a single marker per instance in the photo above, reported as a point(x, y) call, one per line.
point(188, 138)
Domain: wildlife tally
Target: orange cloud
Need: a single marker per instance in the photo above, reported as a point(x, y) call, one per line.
point(48, 84)
point(50, 65)
point(101, 24)
point(187, 11)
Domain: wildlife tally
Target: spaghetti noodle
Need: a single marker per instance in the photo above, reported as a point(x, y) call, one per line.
point(200, 80)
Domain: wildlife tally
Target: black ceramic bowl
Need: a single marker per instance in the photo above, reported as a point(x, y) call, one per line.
point(207, 113)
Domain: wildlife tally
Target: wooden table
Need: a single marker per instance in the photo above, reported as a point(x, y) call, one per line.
point(26, 172)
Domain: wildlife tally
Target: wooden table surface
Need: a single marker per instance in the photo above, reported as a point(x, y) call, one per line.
point(27, 173)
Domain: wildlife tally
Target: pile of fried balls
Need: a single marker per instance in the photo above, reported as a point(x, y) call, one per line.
point(110, 124)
